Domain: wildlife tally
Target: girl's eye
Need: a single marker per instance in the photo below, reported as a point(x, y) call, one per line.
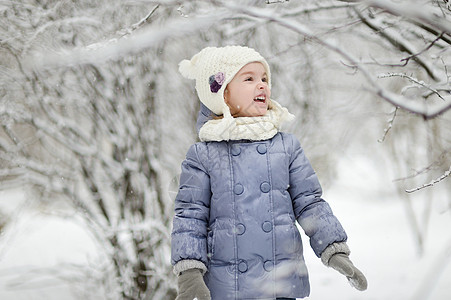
point(248, 79)
point(264, 79)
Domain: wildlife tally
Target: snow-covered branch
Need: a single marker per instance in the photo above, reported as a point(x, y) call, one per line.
point(398, 41)
point(431, 183)
point(390, 125)
point(78, 21)
point(127, 31)
point(276, 1)
point(417, 82)
point(427, 111)
point(133, 44)
point(423, 13)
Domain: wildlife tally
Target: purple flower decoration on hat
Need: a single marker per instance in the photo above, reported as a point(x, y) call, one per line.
point(216, 81)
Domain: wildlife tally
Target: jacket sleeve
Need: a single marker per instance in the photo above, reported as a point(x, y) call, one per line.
point(311, 211)
point(192, 207)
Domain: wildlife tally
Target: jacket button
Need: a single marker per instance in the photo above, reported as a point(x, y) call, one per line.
point(236, 150)
point(238, 189)
point(268, 266)
point(267, 226)
point(242, 267)
point(265, 187)
point(261, 149)
point(240, 229)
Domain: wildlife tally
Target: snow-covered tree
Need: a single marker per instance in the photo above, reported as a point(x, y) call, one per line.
point(89, 135)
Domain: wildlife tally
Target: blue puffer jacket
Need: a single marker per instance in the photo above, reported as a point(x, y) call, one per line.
point(236, 211)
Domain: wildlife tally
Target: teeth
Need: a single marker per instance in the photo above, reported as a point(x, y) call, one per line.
point(260, 98)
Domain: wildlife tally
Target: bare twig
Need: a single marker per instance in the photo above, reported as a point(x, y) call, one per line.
point(276, 1)
point(390, 125)
point(406, 60)
point(432, 183)
point(426, 169)
point(127, 31)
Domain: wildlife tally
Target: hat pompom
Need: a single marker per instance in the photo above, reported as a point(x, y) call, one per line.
point(187, 69)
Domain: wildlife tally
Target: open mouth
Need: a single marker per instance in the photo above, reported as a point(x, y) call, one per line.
point(260, 99)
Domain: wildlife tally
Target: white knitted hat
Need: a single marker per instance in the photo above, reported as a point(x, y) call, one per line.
point(213, 68)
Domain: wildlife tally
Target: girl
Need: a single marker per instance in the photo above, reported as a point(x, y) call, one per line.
point(243, 187)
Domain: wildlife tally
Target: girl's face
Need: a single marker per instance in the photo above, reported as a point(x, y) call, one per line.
point(247, 95)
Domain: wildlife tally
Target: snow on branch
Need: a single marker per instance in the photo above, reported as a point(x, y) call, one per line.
point(432, 183)
point(414, 12)
point(390, 125)
point(406, 60)
point(317, 7)
point(427, 111)
point(139, 24)
point(414, 80)
point(132, 44)
point(80, 21)
point(398, 41)
point(276, 1)
point(52, 131)
point(426, 169)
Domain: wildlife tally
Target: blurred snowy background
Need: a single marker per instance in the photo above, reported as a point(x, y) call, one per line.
point(95, 121)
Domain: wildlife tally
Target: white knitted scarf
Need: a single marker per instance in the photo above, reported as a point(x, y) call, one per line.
point(246, 128)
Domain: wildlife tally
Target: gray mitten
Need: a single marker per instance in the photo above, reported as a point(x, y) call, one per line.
point(191, 285)
point(342, 264)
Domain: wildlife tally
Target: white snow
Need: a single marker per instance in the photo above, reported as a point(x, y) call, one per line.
point(40, 260)
point(381, 241)
point(46, 256)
